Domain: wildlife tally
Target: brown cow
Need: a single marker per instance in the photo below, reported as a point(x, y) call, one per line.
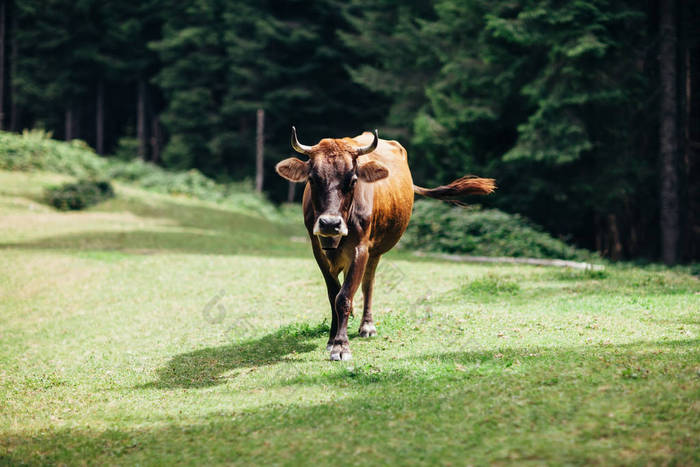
point(357, 203)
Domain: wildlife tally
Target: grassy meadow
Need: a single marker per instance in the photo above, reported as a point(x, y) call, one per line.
point(156, 329)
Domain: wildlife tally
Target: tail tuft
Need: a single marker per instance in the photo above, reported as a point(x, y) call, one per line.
point(467, 185)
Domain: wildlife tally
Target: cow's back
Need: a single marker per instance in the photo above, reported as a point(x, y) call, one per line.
point(392, 196)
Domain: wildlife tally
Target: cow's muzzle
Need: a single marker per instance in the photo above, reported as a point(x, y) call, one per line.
point(330, 226)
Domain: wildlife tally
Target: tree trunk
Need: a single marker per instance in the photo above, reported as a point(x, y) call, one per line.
point(155, 139)
point(69, 123)
point(668, 133)
point(259, 148)
point(100, 118)
point(615, 243)
point(2, 63)
point(141, 118)
point(13, 72)
point(690, 236)
point(77, 121)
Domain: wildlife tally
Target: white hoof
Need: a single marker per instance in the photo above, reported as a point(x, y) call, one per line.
point(367, 330)
point(338, 353)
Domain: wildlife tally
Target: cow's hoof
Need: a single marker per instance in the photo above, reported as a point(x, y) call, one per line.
point(336, 357)
point(367, 330)
point(339, 352)
point(329, 347)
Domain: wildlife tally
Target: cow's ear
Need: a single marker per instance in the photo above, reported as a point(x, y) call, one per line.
point(293, 170)
point(371, 171)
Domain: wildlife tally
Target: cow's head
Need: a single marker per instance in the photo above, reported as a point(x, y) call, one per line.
point(332, 172)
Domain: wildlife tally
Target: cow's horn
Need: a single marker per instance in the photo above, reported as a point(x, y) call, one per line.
point(371, 147)
point(297, 146)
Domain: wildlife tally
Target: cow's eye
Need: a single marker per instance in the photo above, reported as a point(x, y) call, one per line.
point(351, 182)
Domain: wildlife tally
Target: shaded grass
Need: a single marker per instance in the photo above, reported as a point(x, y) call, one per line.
point(550, 405)
point(133, 333)
point(203, 367)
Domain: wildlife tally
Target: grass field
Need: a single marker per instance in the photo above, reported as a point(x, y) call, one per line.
point(153, 329)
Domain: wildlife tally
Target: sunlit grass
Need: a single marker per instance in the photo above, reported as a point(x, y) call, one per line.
point(152, 329)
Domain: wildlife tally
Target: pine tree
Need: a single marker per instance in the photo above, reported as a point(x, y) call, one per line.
point(55, 44)
point(193, 81)
point(548, 97)
point(222, 62)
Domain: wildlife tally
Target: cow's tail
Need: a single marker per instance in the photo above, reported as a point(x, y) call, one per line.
point(467, 185)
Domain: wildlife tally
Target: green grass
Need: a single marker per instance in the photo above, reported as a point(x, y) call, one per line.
point(153, 329)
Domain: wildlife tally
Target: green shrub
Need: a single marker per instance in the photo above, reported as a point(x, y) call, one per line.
point(191, 183)
point(35, 150)
point(491, 284)
point(127, 148)
point(79, 195)
point(132, 171)
point(439, 227)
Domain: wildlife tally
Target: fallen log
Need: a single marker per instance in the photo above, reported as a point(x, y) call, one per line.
point(561, 263)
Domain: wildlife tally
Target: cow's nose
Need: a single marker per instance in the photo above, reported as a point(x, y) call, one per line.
point(329, 223)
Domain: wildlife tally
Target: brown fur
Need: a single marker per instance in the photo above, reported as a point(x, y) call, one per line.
point(376, 210)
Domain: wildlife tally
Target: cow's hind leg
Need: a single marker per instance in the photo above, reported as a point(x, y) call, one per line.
point(367, 328)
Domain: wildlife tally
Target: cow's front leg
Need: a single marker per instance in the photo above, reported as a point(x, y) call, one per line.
point(333, 287)
point(343, 303)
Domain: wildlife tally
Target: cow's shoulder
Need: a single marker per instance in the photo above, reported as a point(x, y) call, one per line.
point(387, 150)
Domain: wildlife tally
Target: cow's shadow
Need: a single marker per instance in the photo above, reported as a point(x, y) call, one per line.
point(205, 367)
